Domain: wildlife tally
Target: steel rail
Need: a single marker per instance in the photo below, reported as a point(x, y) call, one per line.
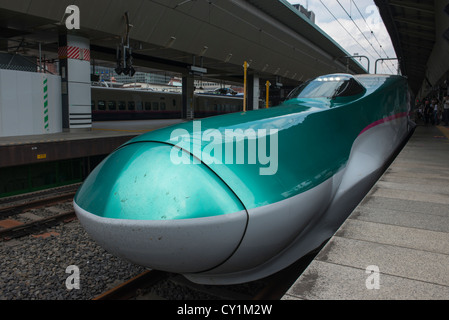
point(131, 288)
point(31, 227)
point(18, 208)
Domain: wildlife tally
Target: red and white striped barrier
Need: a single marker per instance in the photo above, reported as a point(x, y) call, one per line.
point(71, 52)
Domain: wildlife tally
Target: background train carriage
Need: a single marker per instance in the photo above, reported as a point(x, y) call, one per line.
point(130, 104)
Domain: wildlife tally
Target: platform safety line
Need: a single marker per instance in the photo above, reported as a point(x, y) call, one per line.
point(30, 142)
point(123, 130)
point(444, 130)
point(46, 126)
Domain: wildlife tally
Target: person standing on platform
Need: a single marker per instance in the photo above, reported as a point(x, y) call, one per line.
point(427, 111)
point(446, 110)
point(436, 113)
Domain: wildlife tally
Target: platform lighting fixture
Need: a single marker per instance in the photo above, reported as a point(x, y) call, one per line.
point(228, 57)
point(170, 42)
point(187, 1)
point(183, 2)
point(203, 51)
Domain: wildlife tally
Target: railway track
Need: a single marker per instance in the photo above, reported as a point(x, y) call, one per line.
point(18, 208)
point(34, 226)
point(133, 287)
point(51, 192)
point(159, 285)
point(152, 284)
point(27, 214)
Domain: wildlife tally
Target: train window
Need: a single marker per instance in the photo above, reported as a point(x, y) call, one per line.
point(155, 105)
point(122, 105)
point(330, 87)
point(350, 88)
point(174, 102)
point(131, 105)
point(92, 104)
point(216, 107)
point(139, 105)
point(101, 105)
point(112, 105)
point(147, 105)
point(162, 105)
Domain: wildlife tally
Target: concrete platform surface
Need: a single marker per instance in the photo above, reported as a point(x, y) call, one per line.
point(395, 244)
point(100, 129)
point(102, 139)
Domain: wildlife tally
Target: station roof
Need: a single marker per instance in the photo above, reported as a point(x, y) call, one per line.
point(411, 25)
point(416, 28)
point(291, 17)
point(274, 37)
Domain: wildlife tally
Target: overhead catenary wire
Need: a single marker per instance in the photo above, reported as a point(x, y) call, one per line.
point(363, 34)
point(360, 30)
point(351, 34)
point(372, 32)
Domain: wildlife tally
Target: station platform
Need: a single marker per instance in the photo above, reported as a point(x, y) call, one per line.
point(103, 138)
point(395, 244)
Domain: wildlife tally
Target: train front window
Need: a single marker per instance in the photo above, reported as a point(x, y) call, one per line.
point(329, 87)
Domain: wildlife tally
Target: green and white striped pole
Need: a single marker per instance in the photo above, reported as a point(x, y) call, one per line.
point(46, 124)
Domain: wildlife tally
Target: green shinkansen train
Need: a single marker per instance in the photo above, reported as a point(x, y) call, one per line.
point(237, 197)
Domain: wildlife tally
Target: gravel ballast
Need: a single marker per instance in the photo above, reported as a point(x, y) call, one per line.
point(35, 267)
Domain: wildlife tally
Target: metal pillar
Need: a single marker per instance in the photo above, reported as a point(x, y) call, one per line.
point(188, 100)
point(74, 68)
point(383, 59)
point(253, 91)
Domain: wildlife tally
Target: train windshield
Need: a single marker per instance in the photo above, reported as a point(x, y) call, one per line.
point(328, 87)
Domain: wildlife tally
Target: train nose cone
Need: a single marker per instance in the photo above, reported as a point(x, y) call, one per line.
point(140, 205)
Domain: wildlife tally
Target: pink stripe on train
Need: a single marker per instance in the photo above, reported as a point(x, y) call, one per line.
point(389, 118)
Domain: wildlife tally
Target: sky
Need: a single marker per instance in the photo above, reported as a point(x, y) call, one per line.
point(357, 27)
